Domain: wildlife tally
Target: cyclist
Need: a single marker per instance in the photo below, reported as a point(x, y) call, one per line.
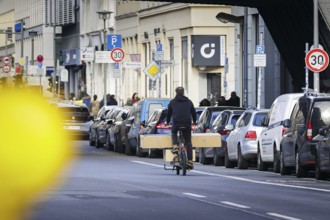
point(182, 111)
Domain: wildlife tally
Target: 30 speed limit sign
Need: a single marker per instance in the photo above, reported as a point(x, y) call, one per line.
point(117, 54)
point(317, 60)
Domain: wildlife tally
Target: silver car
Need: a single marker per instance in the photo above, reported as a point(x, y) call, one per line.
point(77, 119)
point(242, 141)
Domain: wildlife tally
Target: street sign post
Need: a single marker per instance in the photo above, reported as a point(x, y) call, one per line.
point(117, 54)
point(152, 70)
point(6, 60)
point(6, 69)
point(317, 60)
point(40, 58)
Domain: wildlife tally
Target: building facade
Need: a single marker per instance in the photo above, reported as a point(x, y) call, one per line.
point(186, 43)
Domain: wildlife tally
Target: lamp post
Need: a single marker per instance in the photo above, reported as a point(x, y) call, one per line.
point(32, 34)
point(225, 18)
point(104, 15)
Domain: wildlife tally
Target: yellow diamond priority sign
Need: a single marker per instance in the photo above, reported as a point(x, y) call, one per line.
point(152, 70)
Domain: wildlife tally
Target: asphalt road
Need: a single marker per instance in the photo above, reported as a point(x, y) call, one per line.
point(108, 185)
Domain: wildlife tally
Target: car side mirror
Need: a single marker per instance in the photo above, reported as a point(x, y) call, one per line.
point(229, 127)
point(91, 118)
point(124, 116)
point(323, 131)
point(110, 122)
point(286, 123)
point(143, 123)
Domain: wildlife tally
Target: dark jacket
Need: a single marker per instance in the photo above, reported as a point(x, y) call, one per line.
point(182, 111)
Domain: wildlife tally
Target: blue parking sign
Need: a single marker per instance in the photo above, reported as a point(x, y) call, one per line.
point(159, 47)
point(260, 49)
point(113, 41)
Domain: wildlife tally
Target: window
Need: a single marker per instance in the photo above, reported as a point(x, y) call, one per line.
point(258, 118)
point(245, 119)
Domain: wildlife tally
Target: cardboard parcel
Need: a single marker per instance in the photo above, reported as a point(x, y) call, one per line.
point(165, 141)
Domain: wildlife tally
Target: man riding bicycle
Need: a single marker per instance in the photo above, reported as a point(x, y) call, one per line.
point(182, 111)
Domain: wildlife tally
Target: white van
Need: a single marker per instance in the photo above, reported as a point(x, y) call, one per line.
point(270, 138)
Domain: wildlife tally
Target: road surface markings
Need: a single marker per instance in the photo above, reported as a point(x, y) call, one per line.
point(145, 163)
point(242, 179)
point(235, 204)
point(194, 195)
point(282, 216)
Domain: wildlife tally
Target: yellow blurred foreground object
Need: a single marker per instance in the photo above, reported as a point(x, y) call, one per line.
point(33, 149)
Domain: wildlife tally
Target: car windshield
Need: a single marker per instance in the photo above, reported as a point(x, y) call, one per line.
point(321, 114)
point(214, 116)
point(234, 119)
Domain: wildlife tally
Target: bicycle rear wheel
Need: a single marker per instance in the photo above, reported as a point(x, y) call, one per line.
point(184, 162)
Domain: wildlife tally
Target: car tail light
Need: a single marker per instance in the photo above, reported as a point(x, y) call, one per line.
point(225, 131)
point(250, 136)
point(309, 131)
point(162, 125)
point(283, 131)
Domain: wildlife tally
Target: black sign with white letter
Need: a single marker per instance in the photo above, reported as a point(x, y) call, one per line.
point(205, 50)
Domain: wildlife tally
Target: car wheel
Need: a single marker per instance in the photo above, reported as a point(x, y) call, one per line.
point(228, 163)
point(128, 150)
point(300, 170)
point(319, 175)
point(261, 166)
point(91, 142)
point(283, 169)
point(241, 162)
point(276, 164)
point(202, 158)
point(118, 144)
point(139, 151)
point(108, 145)
point(217, 161)
point(97, 142)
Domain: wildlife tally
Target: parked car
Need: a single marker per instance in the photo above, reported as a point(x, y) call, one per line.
point(102, 128)
point(114, 131)
point(140, 112)
point(272, 133)
point(203, 125)
point(242, 141)
point(225, 118)
point(98, 119)
point(322, 156)
point(154, 125)
point(77, 119)
point(311, 112)
point(199, 111)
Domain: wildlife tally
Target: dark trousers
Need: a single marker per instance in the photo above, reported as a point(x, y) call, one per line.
point(186, 136)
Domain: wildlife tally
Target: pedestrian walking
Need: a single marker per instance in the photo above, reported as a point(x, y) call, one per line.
point(112, 100)
point(234, 100)
point(94, 106)
point(205, 102)
point(222, 101)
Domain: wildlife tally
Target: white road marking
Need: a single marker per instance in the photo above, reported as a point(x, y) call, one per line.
point(243, 179)
point(235, 204)
point(145, 163)
point(282, 216)
point(194, 195)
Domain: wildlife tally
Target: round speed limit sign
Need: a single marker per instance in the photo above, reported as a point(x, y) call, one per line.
point(117, 54)
point(317, 60)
